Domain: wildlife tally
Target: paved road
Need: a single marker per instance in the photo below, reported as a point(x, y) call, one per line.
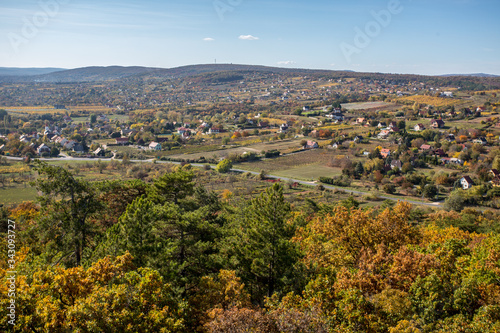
point(330, 187)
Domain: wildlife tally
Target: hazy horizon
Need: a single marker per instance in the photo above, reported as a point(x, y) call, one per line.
point(407, 37)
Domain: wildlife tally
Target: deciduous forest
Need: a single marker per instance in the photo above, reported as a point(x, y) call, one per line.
point(170, 255)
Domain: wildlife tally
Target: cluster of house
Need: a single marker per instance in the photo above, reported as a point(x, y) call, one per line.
point(185, 131)
point(466, 182)
point(387, 130)
point(54, 136)
point(392, 128)
point(336, 115)
point(452, 113)
point(68, 144)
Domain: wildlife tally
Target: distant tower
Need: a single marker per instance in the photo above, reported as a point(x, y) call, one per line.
point(216, 61)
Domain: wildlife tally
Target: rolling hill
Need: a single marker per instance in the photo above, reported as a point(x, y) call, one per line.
point(233, 72)
point(15, 71)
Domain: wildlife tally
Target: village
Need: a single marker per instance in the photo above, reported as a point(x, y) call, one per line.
point(406, 138)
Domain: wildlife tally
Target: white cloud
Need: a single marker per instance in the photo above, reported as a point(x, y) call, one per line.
point(208, 39)
point(248, 37)
point(288, 62)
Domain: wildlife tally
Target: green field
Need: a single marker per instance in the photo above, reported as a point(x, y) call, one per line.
point(17, 195)
point(309, 172)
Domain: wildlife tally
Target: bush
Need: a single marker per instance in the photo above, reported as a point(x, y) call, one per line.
point(224, 166)
point(272, 153)
point(389, 188)
point(430, 191)
point(343, 181)
point(454, 202)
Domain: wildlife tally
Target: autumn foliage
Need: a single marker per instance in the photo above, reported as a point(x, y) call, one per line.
point(172, 257)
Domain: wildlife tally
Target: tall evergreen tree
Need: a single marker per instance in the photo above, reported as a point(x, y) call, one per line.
point(172, 186)
point(67, 204)
point(265, 256)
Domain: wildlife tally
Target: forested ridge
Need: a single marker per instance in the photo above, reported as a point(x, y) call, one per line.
point(171, 256)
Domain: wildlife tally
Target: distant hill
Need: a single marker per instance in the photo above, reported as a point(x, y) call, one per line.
point(221, 73)
point(193, 70)
point(15, 71)
point(474, 75)
point(91, 74)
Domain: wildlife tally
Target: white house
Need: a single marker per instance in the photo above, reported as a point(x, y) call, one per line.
point(456, 161)
point(283, 128)
point(481, 141)
point(418, 127)
point(384, 134)
point(466, 182)
point(99, 152)
point(155, 146)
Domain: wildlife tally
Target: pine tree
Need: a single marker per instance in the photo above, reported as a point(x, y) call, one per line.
point(265, 255)
point(172, 187)
point(67, 204)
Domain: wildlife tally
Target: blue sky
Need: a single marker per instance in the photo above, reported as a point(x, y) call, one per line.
point(410, 36)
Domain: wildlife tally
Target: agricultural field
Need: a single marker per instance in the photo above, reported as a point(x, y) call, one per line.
point(302, 159)
point(97, 109)
point(309, 172)
point(366, 106)
point(223, 152)
point(430, 100)
point(32, 109)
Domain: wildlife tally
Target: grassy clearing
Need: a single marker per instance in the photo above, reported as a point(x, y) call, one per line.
point(309, 172)
point(119, 117)
point(16, 195)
